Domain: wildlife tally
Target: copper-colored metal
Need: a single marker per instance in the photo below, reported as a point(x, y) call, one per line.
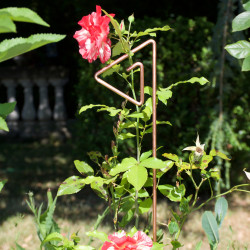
point(151, 41)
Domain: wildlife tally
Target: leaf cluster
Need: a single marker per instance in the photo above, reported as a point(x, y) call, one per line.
point(241, 49)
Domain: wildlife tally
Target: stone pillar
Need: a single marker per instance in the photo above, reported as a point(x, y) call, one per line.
point(10, 84)
point(28, 112)
point(44, 112)
point(59, 109)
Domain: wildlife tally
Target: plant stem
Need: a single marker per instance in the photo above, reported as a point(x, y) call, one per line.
point(235, 188)
point(114, 204)
point(99, 221)
point(196, 192)
point(137, 143)
point(180, 227)
point(190, 211)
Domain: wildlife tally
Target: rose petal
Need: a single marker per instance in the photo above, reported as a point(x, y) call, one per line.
point(93, 37)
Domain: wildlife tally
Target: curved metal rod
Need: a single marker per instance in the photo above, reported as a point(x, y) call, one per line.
point(127, 97)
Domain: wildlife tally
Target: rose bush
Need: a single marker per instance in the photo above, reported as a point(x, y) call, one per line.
point(93, 37)
point(119, 241)
point(124, 182)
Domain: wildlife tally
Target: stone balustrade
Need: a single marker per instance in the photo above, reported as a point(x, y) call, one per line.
point(37, 110)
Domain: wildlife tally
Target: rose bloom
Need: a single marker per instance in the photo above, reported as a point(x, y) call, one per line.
point(93, 37)
point(119, 241)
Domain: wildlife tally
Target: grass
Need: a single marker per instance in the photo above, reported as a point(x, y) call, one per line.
point(37, 166)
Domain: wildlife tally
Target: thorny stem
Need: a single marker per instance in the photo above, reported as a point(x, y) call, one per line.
point(129, 26)
point(191, 173)
point(211, 189)
point(113, 202)
point(235, 188)
point(99, 220)
point(197, 191)
point(180, 227)
point(137, 143)
point(197, 188)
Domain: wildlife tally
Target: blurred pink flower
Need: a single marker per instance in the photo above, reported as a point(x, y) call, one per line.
point(119, 241)
point(93, 37)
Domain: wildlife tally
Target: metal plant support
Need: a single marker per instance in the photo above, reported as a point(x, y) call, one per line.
point(139, 64)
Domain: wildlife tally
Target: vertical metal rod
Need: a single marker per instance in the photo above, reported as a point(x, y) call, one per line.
point(127, 97)
point(154, 143)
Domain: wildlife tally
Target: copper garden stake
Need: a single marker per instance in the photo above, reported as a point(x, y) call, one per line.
point(151, 41)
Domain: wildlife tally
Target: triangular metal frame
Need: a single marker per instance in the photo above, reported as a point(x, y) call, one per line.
point(127, 97)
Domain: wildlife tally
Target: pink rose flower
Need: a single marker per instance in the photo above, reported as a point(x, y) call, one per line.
point(119, 241)
point(93, 37)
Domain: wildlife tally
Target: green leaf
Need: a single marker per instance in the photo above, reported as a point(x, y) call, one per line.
point(6, 24)
point(176, 244)
point(145, 205)
point(215, 173)
point(111, 70)
point(71, 185)
point(147, 112)
point(83, 168)
point(149, 104)
point(117, 49)
point(125, 165)
point(132, 231)
point(148, 90)
point(24, 15)
point(112, 111)
point(173, 193)
point(145, 155)
point(214, 152)
point(246, 64)
point(124, 136)
point(157, 246)
point(240, 50)
point(18, 247)
point(10, 48)
point(90, 106)
point(173, 227)
point(149, 182)
point(241, 22)
point(118, 169)
point(246, 6)
point(126, 204)
point(210, 227)
point(3, 125)
point(136, 115)
point(153, 162)
point(115, 24)
point(172, 157)
point(137, 176)
point(127, 218)
point(206, 159)
point(184, 205)
point(221, 207)
point(128, 124)
point(99, 235)
point(2, 183)
point(100, 190)
point(200, 80)
point(168, 166)
point(53, 237)
point(6, 108)
point(164, 95)
point(198, 245)
point(151, 31)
